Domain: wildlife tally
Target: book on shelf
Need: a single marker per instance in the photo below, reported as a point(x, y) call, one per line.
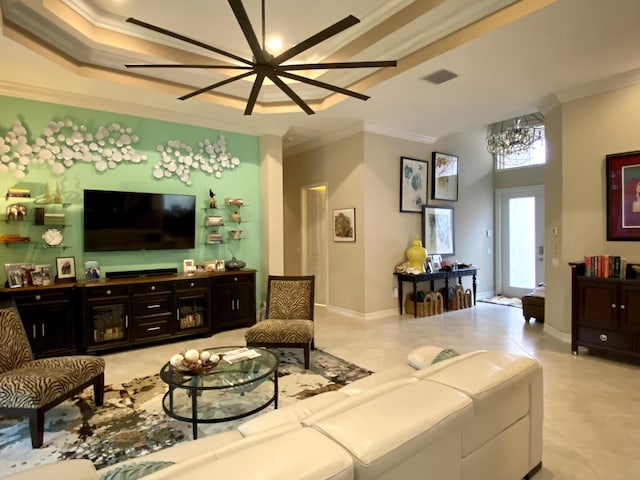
point(604, 266)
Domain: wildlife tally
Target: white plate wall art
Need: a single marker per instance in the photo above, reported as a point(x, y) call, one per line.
point(64, 143)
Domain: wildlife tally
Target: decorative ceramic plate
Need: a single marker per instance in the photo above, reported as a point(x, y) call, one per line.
point(53, 237)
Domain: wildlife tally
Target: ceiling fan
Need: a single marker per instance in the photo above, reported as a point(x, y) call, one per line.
point(264, 65)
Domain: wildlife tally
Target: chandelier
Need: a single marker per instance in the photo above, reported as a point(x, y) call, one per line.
point(516, 137)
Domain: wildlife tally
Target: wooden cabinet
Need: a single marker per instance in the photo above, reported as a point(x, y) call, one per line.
point(234, 300)
point(152, 310)
point(47, 316)
point(105, 310)
point(605, 313)
point(193, 304)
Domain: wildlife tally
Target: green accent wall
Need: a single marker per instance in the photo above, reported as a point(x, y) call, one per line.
point(242, 182)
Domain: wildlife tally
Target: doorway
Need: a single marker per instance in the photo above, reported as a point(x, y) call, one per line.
point(520, 243)
point(314, 235)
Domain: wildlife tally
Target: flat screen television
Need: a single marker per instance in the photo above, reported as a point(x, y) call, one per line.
point(125, 221)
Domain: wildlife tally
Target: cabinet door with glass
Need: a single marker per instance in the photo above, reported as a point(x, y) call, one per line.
point(193, 306)
point(106, 314)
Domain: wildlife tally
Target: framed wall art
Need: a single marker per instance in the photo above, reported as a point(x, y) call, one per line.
point(65, 268)
point(437, 230)
point(444, 178)
point(413, 184)
point(344, 225)
point(623, 196)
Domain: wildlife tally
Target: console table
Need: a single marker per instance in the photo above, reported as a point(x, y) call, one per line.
point(432, 277)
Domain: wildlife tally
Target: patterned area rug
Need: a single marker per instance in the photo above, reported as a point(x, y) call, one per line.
point(132, 423)
point(502, 300)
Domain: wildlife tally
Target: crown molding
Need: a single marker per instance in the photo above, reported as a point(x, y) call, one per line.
point(49, 95)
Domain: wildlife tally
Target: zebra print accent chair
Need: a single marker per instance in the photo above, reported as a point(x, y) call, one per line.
point(28, 387)
point(288, 317)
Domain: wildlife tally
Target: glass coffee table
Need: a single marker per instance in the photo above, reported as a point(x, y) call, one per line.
point(228, 391)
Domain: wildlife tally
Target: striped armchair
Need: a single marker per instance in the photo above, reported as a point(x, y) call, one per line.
point(28, 387)
point(288, 317)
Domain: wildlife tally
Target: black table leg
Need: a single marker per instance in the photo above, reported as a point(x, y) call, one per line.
point(473, 285)
point(194, 413)
point(400, 293)
point(275, 387)
point(415, 298)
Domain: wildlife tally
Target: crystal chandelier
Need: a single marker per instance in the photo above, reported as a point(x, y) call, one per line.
point(515, 138)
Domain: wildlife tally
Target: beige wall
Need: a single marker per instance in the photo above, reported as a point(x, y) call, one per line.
point(584, 131)
point(473, 212)
point(340, 166)
point(363, 171)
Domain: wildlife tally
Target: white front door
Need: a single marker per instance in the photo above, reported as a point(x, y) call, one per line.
point(521, 240)
point(314, 238)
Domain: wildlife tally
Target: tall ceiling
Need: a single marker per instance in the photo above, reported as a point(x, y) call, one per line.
point(510, 58)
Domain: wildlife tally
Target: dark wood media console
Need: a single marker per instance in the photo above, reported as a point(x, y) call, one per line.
point(100, 315)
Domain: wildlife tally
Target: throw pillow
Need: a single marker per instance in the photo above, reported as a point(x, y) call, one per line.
point(133, 471)
point(445, 354)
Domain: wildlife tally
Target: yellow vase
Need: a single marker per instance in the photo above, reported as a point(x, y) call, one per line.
point(417, 254)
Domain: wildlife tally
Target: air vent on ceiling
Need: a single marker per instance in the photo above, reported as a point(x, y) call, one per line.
point(440, 76)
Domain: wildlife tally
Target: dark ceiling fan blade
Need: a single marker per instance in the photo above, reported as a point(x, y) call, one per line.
point(187, 65)
point(184, 38)
point(216, 85)
point(247, 30)
point(334, 65)
point(290, 93)
point(315, 39)
point(328, 86)
point(253, 96)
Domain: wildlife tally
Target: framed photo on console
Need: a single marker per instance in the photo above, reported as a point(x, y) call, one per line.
point(65, 269)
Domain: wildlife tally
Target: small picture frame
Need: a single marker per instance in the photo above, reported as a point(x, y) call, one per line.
point(189, 266)
point(18, 274)
point(65, 269)
point(14, 275)
point(344, 225)
point(444, 177)
point(436, 262)
point(91, 270)
point(45, 273)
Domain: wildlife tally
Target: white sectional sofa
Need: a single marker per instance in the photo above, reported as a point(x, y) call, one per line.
point(476, 416)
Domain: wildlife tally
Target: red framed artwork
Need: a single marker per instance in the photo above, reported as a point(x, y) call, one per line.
point(623, 196)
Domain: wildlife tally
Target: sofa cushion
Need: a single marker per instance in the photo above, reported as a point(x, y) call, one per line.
point(301, 453)
point(443, 365)
point(379, 378)
point(134, 471)
point(499, 385)
point(294, 413)
point(422, 357)
point(354, 400)
point(182, 451)
point(386, 430)
point(65, 469)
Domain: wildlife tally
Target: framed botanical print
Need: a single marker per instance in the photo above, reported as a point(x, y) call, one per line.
point(437, 230)
point(413, 184)
point(444, 178)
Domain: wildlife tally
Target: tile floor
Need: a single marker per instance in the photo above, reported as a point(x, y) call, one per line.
point(592, 403)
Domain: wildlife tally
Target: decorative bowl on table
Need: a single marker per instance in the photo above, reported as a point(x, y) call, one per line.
point(194, 362)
